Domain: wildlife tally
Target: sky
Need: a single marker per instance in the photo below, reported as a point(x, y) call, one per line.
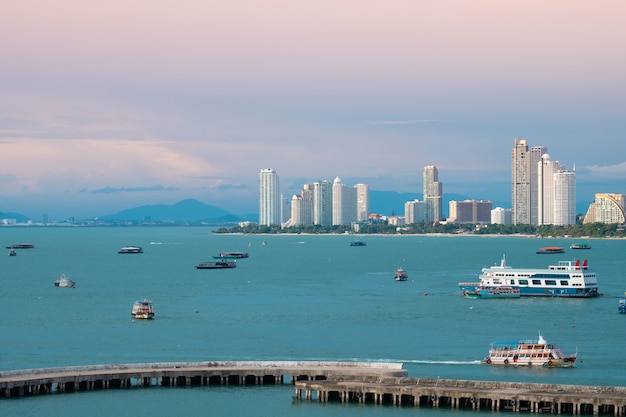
point(112, 105)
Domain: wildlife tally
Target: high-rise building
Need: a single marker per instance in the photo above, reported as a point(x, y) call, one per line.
point(270, 203)
point(564, 198)
point(525, 181)
point(344, 203)
point(607, 208)
point(322, 203)
point(501, 215)
point(362, 202)
point(470, 211)
point(546, 169)
point(414, 212)
point(432, 195)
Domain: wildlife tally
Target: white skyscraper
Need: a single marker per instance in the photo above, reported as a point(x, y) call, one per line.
point(322, 203)
point(270, 203)
point(546, 170)
point(344, 203)
point(564, 198)
point(432, 195)
point(413, 212)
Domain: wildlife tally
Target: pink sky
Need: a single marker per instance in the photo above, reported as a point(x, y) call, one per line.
point(193, 98)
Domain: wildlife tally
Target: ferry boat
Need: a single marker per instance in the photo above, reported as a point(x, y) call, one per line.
point(482, 292)
point(131, 249)
point(571, 279)
point(529, 353)
point(143, 310)
point(64, 282)
point(219, 264)
point(401, 275)
point(551, 250)
point(580, 245)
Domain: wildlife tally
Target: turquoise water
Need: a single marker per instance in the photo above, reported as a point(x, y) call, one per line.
point(299, 297)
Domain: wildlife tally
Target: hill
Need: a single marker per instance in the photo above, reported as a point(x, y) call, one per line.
point(184, 211)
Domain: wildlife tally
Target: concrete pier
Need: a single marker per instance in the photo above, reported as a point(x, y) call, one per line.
point(473, 395)
point(86, 378)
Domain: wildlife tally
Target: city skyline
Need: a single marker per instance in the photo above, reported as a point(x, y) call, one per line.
point(116, 105)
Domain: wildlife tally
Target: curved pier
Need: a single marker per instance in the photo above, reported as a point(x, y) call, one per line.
point(84, 378)
point(472, 395)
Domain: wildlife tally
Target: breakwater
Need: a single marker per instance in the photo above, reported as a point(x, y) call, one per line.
point(84, 378)
point(473, 395)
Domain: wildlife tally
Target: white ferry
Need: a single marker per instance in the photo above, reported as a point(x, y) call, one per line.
point(566, 279)
point(529, 353)
point(143, 309)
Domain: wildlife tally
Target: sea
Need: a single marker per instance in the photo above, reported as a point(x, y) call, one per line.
point(297, 297)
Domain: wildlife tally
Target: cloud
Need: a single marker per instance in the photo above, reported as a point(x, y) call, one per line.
point(119, 190)
point(401, 122)
point(603, 170)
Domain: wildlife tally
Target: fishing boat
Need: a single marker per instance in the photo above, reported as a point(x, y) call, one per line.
point(143, 310)
point(529, 353)
point(580, 245)
point(358, 243)
point(571, 279)
point(64, 282)
point(21, 246)
point(551, 250)
point(219, 264)
point(481, 292)
point(231, 255)
point(131, 249)
point(401, 275)
point(622, 305)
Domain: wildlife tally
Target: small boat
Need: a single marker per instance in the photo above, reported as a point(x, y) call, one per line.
point(529, 353)
point(622, 305)
point(481, 292)
point(131, 249)
point(401, 275)
point(550, 250)
point(571, 279)
point(143, 309)
point(21, 246)
point(580, 245)
point(219, 264)
point(12, 252)
point(357, 243)
point(64, 282)
point(232, 255)
point(264, 243)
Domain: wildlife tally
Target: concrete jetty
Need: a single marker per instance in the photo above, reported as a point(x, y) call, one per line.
point(466, 394)
point(84, 378)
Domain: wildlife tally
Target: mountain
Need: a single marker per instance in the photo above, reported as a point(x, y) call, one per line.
point(19, 218)
point(185, 210)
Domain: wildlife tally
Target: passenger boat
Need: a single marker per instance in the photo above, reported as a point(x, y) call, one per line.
point(401, 275)
point(64, 282)
point(481, 292)
point(357, 243)
point(21, 246)
point(529, 353)
point(551, 250)
point(580, 245)
point(622, 305)
point(131, 249)
point(219, 264)
point(143, 310)
point(565, 279)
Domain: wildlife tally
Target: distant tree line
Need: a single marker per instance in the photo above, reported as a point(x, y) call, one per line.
point(595, 230)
